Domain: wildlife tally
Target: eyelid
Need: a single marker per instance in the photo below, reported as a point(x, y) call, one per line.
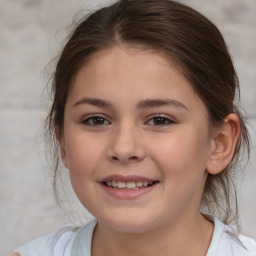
point(167, 117)
point(86, 118)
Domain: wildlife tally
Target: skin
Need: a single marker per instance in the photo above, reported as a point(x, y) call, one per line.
point(130, 138)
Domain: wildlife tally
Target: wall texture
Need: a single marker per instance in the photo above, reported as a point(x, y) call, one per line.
point(31, 32)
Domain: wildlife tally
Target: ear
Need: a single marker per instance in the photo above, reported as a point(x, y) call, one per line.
point(223, 144)
point(61, 140)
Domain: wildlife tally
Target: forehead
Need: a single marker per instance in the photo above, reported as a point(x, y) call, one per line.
point(124, 60)
point(131, 73)
point(134, 56)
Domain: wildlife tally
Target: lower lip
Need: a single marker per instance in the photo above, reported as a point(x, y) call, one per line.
point(127, 194)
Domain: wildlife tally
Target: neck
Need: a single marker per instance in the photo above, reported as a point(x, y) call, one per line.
point(174, 239)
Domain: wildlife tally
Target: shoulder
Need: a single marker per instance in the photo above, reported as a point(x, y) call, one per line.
point(35, 247)
point(83, 240)
point(226, 241)
point(56, 243)
point(237, 244)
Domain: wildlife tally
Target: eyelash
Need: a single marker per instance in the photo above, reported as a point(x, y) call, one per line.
point(164, 121)
point(93, 118)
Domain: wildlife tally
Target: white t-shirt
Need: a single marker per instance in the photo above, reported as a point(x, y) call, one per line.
point(69, 241)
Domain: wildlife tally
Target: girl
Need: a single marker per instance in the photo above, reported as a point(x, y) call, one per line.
point(144, 118)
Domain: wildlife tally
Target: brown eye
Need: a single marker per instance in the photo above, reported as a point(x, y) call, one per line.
point(95, 120)
point(160, 121)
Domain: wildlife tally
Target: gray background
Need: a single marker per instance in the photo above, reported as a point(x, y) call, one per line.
point(31, 32)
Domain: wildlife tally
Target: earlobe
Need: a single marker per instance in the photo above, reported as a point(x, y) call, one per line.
point(62, 147)
point(223, 144)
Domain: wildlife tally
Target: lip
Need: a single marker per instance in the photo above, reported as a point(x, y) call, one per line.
point(123, 194)
point(125, 178)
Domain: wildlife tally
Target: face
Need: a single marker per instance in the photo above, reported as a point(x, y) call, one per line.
point(136, 140)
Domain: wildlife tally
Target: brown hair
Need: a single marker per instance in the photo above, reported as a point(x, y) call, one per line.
point(189, 39)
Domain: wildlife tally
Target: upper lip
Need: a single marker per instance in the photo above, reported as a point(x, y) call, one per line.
point(125, 178)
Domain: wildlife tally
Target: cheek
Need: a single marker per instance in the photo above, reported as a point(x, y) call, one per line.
point(82, 155)
point(182, 155)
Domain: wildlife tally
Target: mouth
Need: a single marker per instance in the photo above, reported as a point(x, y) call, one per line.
point(130, 185)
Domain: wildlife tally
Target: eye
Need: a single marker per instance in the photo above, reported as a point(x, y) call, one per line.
point(95, 120)
point(160, 121)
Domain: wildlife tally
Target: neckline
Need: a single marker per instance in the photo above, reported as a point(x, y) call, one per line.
point(83, 239)
point(216, 237)
point(82, 242)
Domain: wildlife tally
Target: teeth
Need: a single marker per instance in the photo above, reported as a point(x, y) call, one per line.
point(131, 184)
point(128, 185)
point(139, 184)
point(145, 183)
point(121, 184)
point(114, 184)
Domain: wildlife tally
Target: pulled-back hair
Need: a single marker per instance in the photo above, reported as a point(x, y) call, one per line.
point(186, 37)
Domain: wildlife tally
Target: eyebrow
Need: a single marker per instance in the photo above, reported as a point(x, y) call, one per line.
point(148, 103)
point(151, 103)
point(94, 102)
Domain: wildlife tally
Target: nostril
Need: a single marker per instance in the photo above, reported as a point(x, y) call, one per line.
point(132, 158)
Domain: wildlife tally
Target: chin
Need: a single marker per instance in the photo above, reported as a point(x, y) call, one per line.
point(130, 224)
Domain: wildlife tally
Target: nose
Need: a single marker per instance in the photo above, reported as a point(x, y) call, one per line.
point(126, 145)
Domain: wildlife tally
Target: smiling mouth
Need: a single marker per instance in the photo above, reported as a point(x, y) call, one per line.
point(130, 185)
